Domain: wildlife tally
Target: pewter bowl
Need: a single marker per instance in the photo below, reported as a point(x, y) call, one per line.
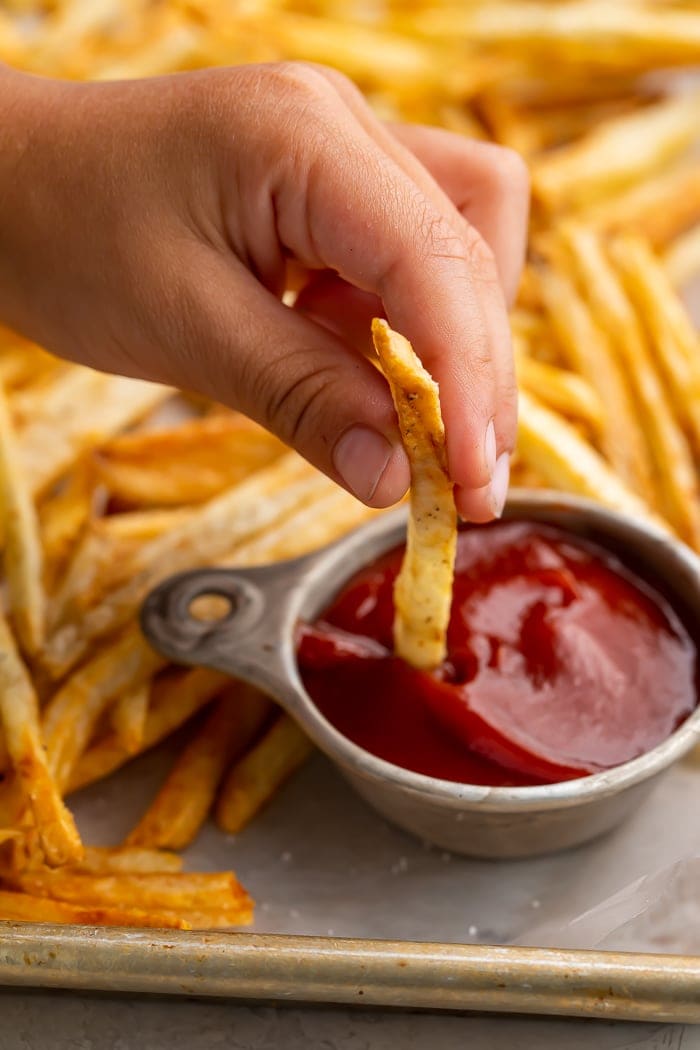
point(254, 641)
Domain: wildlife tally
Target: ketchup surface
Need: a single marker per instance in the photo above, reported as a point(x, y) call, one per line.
point(560, 663)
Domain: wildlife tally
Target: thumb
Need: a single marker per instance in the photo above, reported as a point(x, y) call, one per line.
point(297, 379)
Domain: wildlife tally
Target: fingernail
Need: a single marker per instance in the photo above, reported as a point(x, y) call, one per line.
point(490, 449)
point(498, 489)
point(361, 456)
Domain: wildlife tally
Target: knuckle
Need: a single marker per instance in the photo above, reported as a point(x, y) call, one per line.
point(479, 257)
point(299, 80)
point(509, 169)
point(296, 409)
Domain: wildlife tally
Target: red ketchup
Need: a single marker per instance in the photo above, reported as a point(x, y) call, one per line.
point(560, 663)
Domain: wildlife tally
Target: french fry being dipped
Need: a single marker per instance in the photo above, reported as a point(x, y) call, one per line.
point(423, 591)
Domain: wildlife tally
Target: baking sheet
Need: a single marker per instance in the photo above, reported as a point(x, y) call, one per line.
point(320, 863)
point(325, 868)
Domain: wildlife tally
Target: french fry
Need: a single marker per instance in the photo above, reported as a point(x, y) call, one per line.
point(194, 896)
point(23, 907)
point(113, 860)
point(675, 474)
point(593, 34)
point(255, 778)
point(63, 515)
point(187, 464)
point(73, 712)
point(682, 258)
point(174, 700)
point(616, 153)
point(659, 209)
point(138, 526)
point(55, 435)
point(177, 813)
point(560, 455)
point(128, 717)
point(423, 590)
point(225, 522)
point(672, 335)
point(587, 350)
point(19, 711)
point(566, 392)
point(23, 561)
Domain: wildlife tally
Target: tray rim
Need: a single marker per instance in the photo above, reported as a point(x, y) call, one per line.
point(286, 968)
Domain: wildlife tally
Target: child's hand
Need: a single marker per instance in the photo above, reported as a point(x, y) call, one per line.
point(146, 227)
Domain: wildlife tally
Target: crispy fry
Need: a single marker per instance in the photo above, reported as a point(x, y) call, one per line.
point(55, 435)
point(594, 34)
point(682, 258)
point(63, 515)
point(174, 700)
point(186, 464)
point(672, 336)
point(23, 907)
point(72, 714)
point(113, 860)
point(616, 153)
point(128, 717)
point(658, 209)
point(423, 591)
point(254, 779)
point(138, 526)
point(555, 450)
point(23, 555)
point(177, 813)
point(564, 391)
point(587, 349)
point(675, 474)
point(19, 712)
point(225, 522)
point(197, 897)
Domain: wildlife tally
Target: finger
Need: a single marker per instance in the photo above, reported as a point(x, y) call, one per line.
point(430, 269)
point(488, 184)
point(339, 306)
point(481, 504)
point(296, 378)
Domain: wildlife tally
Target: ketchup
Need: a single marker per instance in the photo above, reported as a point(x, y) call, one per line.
point(560, 663)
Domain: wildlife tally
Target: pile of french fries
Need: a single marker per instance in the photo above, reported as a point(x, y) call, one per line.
point(99, 504)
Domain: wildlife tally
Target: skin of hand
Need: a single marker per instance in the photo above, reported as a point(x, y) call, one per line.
point(150, 227)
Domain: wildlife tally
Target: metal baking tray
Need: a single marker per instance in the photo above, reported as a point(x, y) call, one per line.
point(354, 911)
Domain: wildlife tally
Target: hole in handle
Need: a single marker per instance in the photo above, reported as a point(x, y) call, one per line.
point(212, 607)
point(190, 616)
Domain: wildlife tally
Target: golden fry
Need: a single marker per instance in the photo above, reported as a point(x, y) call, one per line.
point(19, 712)
point(423, 590)
point(175, 698)
point(564, 391)
point(675, 472)
point(217, 529)
point(659, 208)
point(682, 258)
point(586, 347)
point(177, 813)
point(128, 716)
point(256, 777)
point(23, 561)
point(616, 153)
point(672, 336)
point(555, 450)
point(196, 896)
point(186, 464)
point(22, 907)
point(72, 714)
point(55, 435)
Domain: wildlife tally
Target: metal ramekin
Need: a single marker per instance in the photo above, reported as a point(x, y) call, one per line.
point(254, 641)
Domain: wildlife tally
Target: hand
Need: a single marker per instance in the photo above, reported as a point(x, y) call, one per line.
point(150, 227)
